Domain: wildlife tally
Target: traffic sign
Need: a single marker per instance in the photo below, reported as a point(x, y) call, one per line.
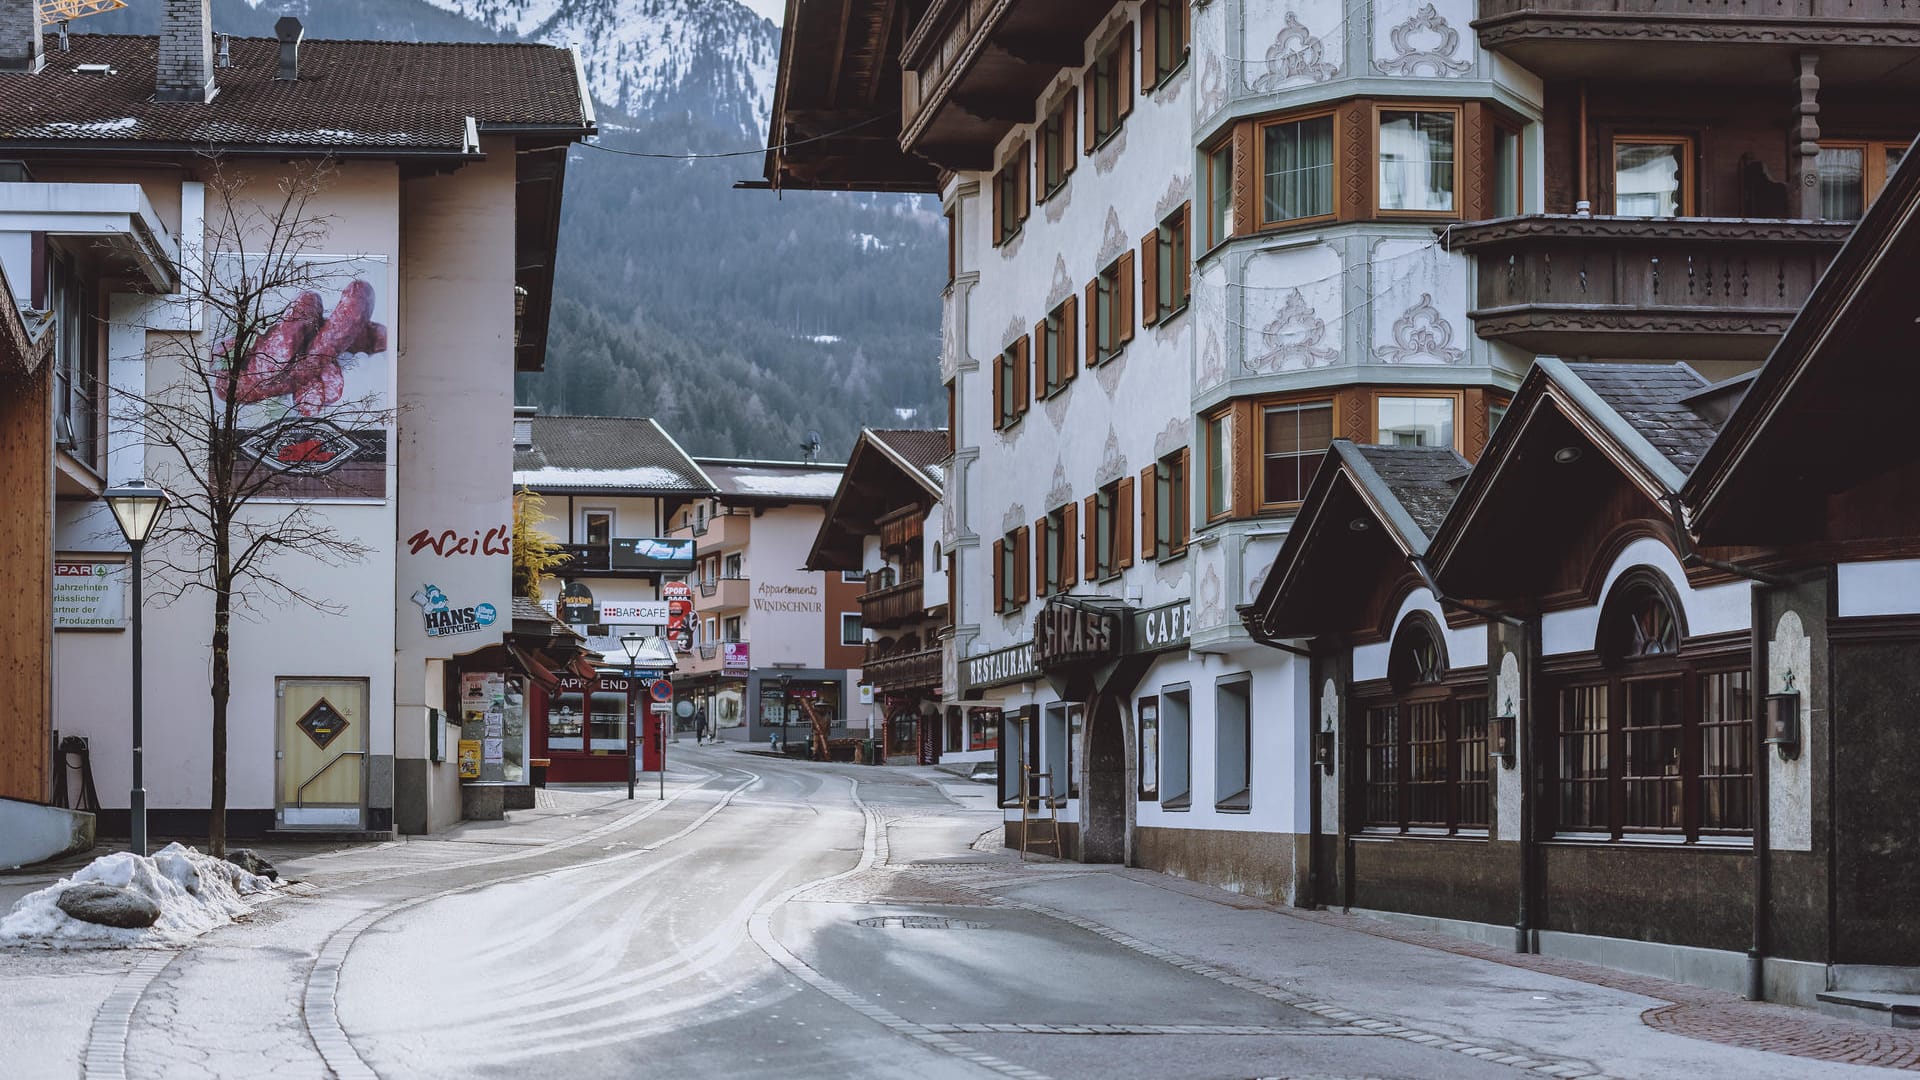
point(660, 690)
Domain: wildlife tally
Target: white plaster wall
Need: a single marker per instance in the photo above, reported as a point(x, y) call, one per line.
point(781, 539)
point(1879, 588)
point(1466, 645)
point(1713, 610)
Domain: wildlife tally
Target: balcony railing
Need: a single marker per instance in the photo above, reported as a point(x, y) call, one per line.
point(1639, 288)
point(893, 605)
point(906, 671)
point(587, 558)
point(708, 652)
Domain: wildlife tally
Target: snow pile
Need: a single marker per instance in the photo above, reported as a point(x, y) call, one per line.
point(194, 892)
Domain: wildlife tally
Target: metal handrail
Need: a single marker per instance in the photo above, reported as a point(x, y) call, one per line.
point(300, 793)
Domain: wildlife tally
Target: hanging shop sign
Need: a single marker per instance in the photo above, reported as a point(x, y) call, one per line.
point(634, 613)
point(443, 618)
point(89, 595)
point(998, 668)
point(1077, 630)
point(576, 603)
point(736, 657)
point(652, 553)
point(1163, 628)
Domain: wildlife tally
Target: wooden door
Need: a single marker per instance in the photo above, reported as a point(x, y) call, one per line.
point(323, 753)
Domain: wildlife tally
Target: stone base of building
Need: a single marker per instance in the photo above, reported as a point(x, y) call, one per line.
point(483, 802)
point(188, 824)
point(1258, 864)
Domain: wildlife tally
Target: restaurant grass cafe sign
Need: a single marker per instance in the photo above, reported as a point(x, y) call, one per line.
point(1164, 628)
point(1072, 630)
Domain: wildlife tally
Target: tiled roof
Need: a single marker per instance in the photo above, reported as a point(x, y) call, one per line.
point(606, 453)
point(773, 480)
point(526, 610)
point(1425, 479)
point(923, 448)
point(1651, 398)
point(351, 96)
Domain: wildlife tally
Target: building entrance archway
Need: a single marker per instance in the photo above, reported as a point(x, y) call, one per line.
point(1103, 810)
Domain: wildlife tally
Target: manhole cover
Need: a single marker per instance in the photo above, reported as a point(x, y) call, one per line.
point(919, 922)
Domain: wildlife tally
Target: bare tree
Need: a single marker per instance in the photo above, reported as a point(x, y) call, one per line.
point(248, 412)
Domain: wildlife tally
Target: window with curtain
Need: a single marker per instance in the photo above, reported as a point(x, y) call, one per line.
point(1219, 193)
point(1417, 159)
point(1650, 176)
point(1295, 439)
point(1297, 173)
point(1219, 464)
point(1851, 175)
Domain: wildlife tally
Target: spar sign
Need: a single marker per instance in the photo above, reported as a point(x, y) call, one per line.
point(89, 595)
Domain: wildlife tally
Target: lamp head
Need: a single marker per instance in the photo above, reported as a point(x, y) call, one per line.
point(136, 507)
point(631, 643)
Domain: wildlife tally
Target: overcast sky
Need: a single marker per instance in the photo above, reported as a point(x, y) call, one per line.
point(772, 9)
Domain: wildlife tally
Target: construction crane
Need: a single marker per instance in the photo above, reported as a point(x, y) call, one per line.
point(53, 11)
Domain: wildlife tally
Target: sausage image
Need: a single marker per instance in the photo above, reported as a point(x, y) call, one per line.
point(322, 391)
point(280, 349)
point(374, 340)
point(345, 326)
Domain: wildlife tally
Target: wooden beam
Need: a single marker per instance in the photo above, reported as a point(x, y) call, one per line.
point(1050, 50)
point(840, 51)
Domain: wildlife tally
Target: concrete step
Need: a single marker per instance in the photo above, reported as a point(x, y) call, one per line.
point(1878, 977)
point(1873, 1007)
point(350, 836)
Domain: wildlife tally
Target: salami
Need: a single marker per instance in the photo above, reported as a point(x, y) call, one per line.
point(345, 326)
point(280, 349)
point(374, 340)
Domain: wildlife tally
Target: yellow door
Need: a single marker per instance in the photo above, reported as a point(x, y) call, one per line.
point(323, 745)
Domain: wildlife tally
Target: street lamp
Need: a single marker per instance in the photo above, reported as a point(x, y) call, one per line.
point(631, 643)
point(786, 706)
point(137, 506)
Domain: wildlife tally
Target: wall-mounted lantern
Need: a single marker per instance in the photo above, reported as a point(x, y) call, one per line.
point(1500, 735)
point(1323, 751)
point(1783, 721)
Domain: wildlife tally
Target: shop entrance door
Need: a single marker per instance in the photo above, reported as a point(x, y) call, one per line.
point(1103, 812)
point(323, 753)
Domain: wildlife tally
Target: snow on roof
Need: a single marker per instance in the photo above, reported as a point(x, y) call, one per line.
point(805, 485)
point(647, 476)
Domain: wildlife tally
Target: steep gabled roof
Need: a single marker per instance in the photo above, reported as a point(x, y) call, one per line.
point(1655, 400)
point(1368, 510)
point(629, 455)
point(352, 97)
point(748, 482)
point(885, 472)
point(921, 448)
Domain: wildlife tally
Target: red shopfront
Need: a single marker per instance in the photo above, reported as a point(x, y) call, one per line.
point(585, 728)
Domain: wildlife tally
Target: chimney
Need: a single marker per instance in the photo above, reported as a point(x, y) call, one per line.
point(523, 426)
point(290, 33)
point(21, 46)
point(186, 52)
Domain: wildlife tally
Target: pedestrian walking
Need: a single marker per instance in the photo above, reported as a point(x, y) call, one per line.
point(700, 724)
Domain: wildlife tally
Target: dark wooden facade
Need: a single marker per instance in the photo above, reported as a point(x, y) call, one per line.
point(26, 546)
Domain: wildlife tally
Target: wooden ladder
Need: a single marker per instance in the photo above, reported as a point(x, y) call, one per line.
point(1036, 808)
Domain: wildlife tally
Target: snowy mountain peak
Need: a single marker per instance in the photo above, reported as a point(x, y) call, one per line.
point(710, 57)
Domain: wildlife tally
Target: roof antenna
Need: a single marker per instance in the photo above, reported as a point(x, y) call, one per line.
point(65, 45)
point(811, 447)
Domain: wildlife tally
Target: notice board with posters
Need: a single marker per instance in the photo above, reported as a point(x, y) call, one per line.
point(493, 717)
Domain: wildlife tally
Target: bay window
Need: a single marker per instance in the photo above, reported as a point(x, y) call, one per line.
point(1415, 421)
point(1297, 170)
point(1219, 193)
point(1418, 164)
point(1219, 465)
point(1294, 439)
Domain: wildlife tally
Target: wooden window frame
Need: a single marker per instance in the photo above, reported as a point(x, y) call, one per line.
point(1055, 340)
point(1227, 414)
point(1259, 165)
point(1151, 37)
point(1219, 200)
point(1456, 396)
point(1054, 158)
point(1168, 247)
point(1380, 109)
point(1259, 441)
point(1012, 199)
point(1502, 129)
point(1873, 164)
point(1012, 392)
point(1165, 529)
point(1108, 88)
point(1689, 169)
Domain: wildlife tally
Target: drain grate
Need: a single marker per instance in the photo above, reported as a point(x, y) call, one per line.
point(919, 922)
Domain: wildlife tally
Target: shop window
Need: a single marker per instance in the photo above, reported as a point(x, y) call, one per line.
point(1176, 745)
point(1423, 753)
point(1653, 176)
point(1658, 742)
point(1053, 345)
point(1011, 397)
point(1163, 46)
point(1017, 728)
point(607, 721)
point(1219, 204)
point(1146, 743)
point(1415, 421)
point(1059, 744)
point(1056, 147)
point(1166, 268)
point(1419, 169)
point(983, 729)
point(1294, 439)
point(567, 721)
point(1232, 744)
point(1852, 174)
point(1163, 507)
point(1219, 465)
point(1010, 197)
point(850, 633)
point(1509, 175)
point(1296, 180)
point(1110, 311)
point(1107, 91)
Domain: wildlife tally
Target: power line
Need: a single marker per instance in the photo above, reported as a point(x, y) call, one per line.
point(740, 153)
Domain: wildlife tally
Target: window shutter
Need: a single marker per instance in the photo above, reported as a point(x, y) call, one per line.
point(999, 575)
point(1025, 195)
point(1070, 544)
point(1040, 557)
point(1149, 41)
point(1020, 556)
point(999, 400)
point(1092, 561)
point(1022, 389)
point(1149, 507)
point(1124, 286)
point(1185, 270)
point(1067, 111)
point(999, 211)
point(1184, 512)
point(1123, 524)
point(1150, 278)
point(1087, 99)
point(1123, 75)
point(1091, 324)
point(1041, 388)
point(1069, 337)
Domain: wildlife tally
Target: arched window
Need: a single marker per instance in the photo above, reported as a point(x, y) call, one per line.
point(1654, 737)
point(1424, 741)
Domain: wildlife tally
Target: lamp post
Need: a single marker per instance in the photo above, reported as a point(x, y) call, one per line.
point(786, 706)
point(631, 643)
point(137, 506)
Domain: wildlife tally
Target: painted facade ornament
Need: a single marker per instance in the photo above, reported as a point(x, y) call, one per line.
point(1113, 464)
point(1113, 239)
point(1295, 55)
point(1293, 338)
point(1421, 336)
point(1061, 493)
point(1208, 612)
point(1213, 361)
point(1213, 86)
point(1062, 283)
point(1433, 48)
point(1015, 517)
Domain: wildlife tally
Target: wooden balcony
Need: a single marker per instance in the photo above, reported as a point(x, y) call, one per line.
point(907, 671)
point(1643, 289)
point(1747, 41)
point(902, 530)
point(895, 605)
point(972, 69)
point(586, 559)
